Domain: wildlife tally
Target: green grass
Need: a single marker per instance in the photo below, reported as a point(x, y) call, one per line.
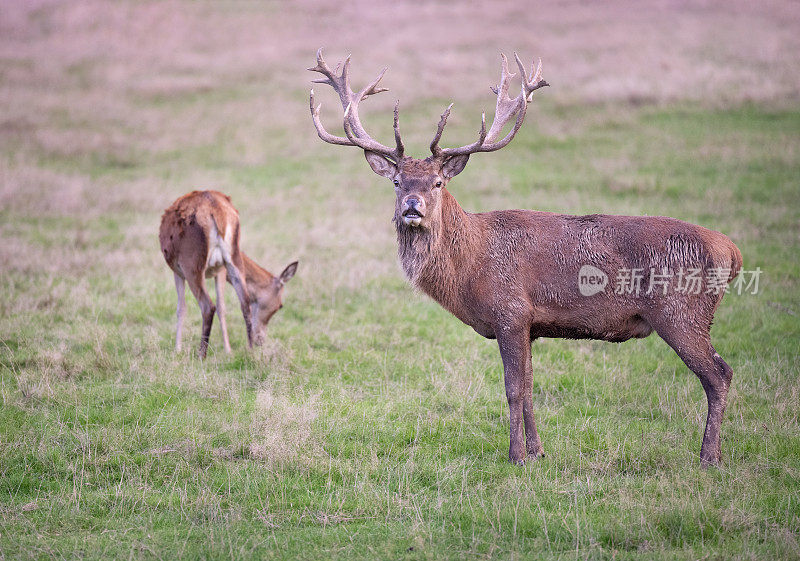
point(373, 424)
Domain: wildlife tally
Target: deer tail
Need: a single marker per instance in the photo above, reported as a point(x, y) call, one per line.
point(736, 261)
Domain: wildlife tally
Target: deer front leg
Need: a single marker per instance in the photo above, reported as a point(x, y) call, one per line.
point(237, 280)
point(515, 350)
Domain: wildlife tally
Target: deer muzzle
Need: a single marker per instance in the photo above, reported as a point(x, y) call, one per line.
point(413, 211)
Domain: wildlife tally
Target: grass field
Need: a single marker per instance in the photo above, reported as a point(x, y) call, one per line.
point(372, 424)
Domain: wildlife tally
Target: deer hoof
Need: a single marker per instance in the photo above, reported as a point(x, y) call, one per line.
point(535, 451)
point(517, 457)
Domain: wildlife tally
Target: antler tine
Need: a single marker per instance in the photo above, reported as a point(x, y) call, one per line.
point(535, 82)
point(367, 143)
point(345, 75)
point(356, 135)
point(372, 88)
point(506, 108)
point(322, 68)
point(356, 132)
point(505, 75)
point(398, 141)
point(323, 134)
point(435, 150)
point(320, 62)
point(482, 133)
point(522, 68)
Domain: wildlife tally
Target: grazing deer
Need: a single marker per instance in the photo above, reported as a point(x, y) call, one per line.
point(513, 275)
point(199, 238)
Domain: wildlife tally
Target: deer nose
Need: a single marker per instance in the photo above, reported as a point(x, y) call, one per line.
point(414, 202)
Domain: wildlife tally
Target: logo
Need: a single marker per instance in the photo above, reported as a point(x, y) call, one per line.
point(591, 280)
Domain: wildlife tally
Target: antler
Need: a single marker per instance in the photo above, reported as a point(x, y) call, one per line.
point(505, 109)
point(356, 135)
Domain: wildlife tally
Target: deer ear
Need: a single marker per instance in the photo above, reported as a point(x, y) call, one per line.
point(380, 165)
point(288, 272)
point(454, 165)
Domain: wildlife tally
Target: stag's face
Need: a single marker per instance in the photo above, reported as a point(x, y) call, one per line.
point(418, 186)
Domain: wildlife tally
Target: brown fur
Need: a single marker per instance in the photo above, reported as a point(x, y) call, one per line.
point(190, 231)
point(512, 275)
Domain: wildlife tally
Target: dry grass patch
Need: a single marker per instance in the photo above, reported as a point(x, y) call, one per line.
point(282, 428)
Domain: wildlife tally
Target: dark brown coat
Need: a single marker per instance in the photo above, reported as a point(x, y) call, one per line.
point(515, 275)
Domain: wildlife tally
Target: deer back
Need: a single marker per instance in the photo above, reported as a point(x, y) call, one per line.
point(201, 228)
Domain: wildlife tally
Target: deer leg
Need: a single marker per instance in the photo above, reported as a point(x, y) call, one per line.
point(219, 285)
point(180, 288)
point(237, 281)
point(715, 376)
point(516, 353)
point(711, 441)
point(207, 309)
point(533, 445)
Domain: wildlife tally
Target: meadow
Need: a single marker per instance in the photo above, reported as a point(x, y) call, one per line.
point(372, 424)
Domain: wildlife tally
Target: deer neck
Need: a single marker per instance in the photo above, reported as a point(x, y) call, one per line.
point(436, 259)
point(255, 275)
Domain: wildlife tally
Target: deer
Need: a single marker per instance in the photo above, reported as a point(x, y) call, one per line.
point(199, 238)
point(515, 275)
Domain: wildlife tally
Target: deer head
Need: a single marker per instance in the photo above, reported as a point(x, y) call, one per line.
point(418, 184)
point(266, 296)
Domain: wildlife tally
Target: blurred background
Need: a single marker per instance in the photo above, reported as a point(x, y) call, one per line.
point(117, 108)
point(369, 404)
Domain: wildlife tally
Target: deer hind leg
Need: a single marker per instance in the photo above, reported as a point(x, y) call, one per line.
point(180, 288)
point(533, 445)
point(516, 353)
point(715, 375)
point(197, 285)
point(219, 285)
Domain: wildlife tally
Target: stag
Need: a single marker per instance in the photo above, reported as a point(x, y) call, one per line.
point(515, 275)
point(199, 237)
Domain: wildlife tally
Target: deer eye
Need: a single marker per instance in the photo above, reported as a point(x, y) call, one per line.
point(396, 183)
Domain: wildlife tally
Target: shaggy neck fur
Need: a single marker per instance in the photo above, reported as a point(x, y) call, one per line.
point(436, 258)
